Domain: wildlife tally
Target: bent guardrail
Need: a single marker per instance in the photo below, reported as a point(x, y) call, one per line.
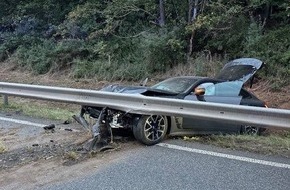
point(138, 104)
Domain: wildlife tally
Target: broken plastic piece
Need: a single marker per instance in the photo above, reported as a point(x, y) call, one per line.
point(49, 127)
point(81, 121)
point(66, 122)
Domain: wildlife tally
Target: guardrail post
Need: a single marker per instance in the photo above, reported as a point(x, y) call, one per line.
point(5, 99)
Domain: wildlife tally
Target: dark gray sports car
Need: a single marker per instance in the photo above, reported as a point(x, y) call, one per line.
point(226, 87)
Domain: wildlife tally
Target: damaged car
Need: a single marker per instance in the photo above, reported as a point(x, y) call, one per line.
point(227, 87)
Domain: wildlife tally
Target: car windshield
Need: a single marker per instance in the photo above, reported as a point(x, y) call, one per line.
point(175, 85)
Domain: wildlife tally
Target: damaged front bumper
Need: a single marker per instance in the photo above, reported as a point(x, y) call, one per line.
point(102, 136)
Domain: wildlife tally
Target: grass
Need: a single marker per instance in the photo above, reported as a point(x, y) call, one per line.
point(2, 148)
point(41, 109)
point(71, 155)
point(274, 143)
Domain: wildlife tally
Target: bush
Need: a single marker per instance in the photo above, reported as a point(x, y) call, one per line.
point(163, 51)
point(11, 42)
point(273, 48)
point(36, 58)
point(48, 55)
point(106, 70)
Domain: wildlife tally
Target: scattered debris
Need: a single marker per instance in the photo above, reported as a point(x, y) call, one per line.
point(107, 147)
point(18, 112)
point(66, 122)
point(69, 129)
point(81, 121)
point(49, 157)
point(49, 127)
point(193, 138)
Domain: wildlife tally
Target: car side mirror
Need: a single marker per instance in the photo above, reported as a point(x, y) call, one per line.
point(199, 91)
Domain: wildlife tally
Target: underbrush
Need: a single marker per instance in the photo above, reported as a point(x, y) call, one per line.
point(147, 55)
point(204, 64)
point(273, 48)
point(276, 142)
point(104, 70)
point(89, 60)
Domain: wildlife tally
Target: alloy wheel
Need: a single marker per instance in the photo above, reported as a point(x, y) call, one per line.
point(155, 127)
point(250, 130)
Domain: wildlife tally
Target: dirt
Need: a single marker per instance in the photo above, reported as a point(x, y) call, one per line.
point(41, 144)
point(273, 98)
point(31, 167)
point(51, 156)
point(44, 156)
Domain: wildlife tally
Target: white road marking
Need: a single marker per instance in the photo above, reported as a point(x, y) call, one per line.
point(228, 156)
point(21, 122)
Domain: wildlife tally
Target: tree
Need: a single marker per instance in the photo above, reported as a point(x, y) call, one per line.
point(161, 19)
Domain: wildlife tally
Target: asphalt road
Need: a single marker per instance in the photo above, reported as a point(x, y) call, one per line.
point(196, 167)
point(176, 164)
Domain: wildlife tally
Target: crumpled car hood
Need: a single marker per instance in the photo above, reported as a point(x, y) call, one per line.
point(146, 91)
point(124, 89)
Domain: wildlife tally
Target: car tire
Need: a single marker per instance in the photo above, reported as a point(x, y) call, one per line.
point(151, 129)
point(251, 130)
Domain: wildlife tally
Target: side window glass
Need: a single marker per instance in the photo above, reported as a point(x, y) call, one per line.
point(231, 88)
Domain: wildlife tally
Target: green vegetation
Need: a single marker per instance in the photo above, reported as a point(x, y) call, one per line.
point(130, 39)
point(277, 143)
point(2, 148)
point(71, 155)
point(41, 110)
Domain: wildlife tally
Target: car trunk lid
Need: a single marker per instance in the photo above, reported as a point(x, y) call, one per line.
point(240, 69)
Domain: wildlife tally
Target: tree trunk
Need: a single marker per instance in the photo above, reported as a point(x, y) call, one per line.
point(161, 19)
point(194, 11)
point(190, 6)
point(192, 14)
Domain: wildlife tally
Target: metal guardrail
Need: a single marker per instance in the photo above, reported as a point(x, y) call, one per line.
point(266, 117)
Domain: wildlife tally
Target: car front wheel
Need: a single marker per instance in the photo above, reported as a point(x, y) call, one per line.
point(151, 129)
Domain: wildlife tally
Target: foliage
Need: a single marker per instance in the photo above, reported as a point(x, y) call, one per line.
point(123, 40)
point(163, 51)
point(48, 55)
point(273, 47)
point(2, 148)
